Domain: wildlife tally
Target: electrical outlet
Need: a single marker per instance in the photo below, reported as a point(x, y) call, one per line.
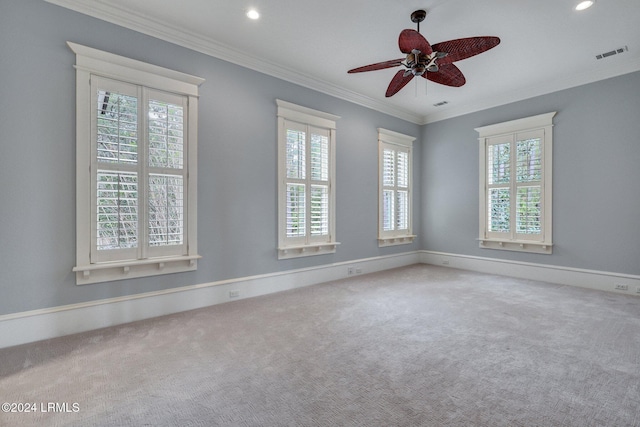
point(358, 270)
point(638, 290)
point(445, 262)
point(234, 294)
point(621, 287)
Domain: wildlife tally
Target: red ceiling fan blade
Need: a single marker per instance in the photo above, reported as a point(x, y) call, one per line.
point(464, 48)
point(378, 66)
point(398, 81)
point(447, 74)
point(411, 39)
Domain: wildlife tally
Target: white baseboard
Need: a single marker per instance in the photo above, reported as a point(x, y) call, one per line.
point(592, 279)
point(36, 325)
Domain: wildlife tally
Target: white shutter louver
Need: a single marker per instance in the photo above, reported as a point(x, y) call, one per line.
point(296, 212)
point(117, 127)
point(117, 208)
point(402, 193)
point(166, 148)
point(499, 193)
point(166, 210)
point(166, 181)
point(528, 178)
point(319, 180)
point(116, 176)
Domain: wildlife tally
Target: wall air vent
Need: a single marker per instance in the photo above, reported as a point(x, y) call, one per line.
point(612, 52)
point(441, 103)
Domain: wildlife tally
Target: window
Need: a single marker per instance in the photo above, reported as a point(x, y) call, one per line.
point(136, 154)
point(515, 184)
point(306, 176)
point(395, 169)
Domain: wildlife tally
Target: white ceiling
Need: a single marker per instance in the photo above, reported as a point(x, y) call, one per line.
point(545, 44)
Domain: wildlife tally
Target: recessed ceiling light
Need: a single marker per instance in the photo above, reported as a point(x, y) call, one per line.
point(253, 14)
point(585, 4)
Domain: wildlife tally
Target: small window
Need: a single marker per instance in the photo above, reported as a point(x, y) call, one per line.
point(306, 171)
point(136, 160)
point(515, 185)
point(395, 187)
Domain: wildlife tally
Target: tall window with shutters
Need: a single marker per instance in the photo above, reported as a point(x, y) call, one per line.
point(306, 172)
point(136, 160)
point(515, 185)
point(395, 165)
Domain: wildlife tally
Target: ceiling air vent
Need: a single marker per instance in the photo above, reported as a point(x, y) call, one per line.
point(441, 103)
point(612, 52)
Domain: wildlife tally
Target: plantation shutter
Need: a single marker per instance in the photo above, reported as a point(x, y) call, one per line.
point(499, 186)
point(395, 191)
point(296, 182)
point(529, 185)
point(138, 173)
point(402, 190)
point(388, 190)
point(307, 183)
point(115, 148)
point(166, 174)
point(515, 184)
point(319, 183)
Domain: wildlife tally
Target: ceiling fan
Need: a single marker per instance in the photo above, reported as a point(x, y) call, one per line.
point(433, 62)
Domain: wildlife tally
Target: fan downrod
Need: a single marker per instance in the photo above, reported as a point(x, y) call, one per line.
point(418, 16)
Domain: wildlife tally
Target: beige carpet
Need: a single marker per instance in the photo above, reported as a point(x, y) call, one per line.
point(417, 346)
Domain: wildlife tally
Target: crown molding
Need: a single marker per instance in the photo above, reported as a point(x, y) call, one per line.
point(183, 37)
point(591, 76)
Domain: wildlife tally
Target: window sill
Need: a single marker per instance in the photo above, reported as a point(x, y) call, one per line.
point(307, 250)
point(517, 245)
point(119, 270)
point(397, 240)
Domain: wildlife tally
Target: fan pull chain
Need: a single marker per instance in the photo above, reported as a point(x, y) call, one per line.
point(426, 87)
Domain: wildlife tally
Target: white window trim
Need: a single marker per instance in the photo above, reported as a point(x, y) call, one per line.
point(543, 123)
point(402, 237)
point(90, 62)
point(307, 116)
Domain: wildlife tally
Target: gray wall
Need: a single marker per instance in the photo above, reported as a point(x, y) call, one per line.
point(237, 226)
point(596, 177)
